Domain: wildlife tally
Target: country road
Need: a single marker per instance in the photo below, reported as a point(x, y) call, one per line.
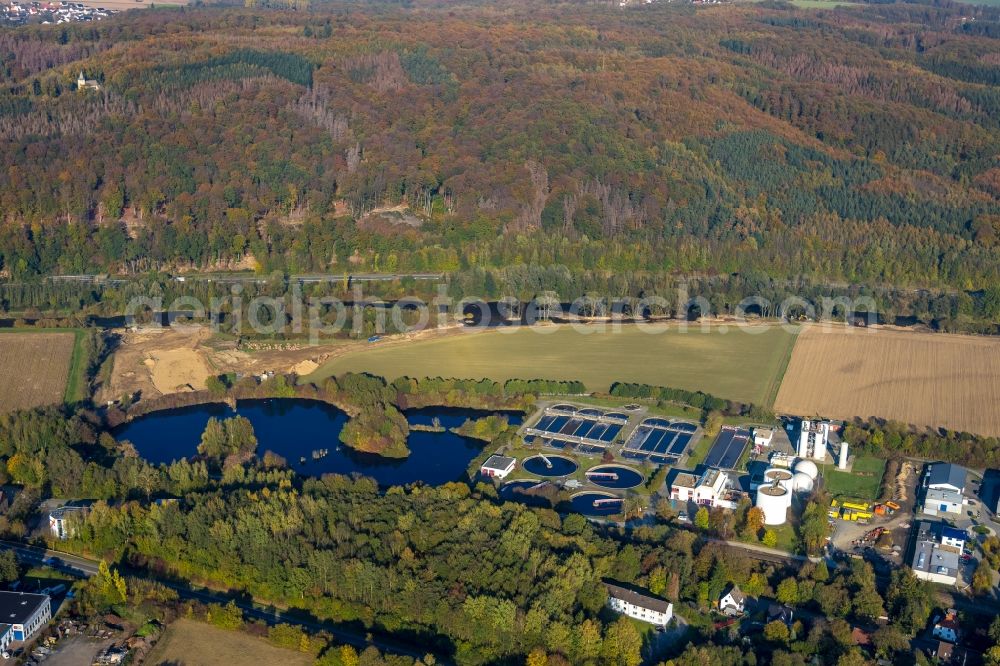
point(82, 567)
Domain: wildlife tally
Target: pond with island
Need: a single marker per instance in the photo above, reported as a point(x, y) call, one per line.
point(296, 428)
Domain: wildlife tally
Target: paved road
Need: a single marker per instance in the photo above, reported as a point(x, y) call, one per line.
point(83, 567)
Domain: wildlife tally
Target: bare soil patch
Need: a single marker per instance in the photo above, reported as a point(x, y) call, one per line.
point(935, 380)
point(34, 368)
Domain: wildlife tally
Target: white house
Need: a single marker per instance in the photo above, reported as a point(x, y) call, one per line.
point(640, 606)
point(24, 613)
point(498, 466)
point(733, 601)
point(62, 520)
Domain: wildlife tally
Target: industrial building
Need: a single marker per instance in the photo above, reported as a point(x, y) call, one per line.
point(639, 606)
point(22, 614)
point(710, 487)
point(813, 439)
point(945, 476)
point(940, 502)
point(762, 436)
point(932, 560)
point(498, 467)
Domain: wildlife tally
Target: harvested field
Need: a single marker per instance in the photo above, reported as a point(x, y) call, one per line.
point(727, 362)
point(35, 368)
point(924, 379)
point(196, 644)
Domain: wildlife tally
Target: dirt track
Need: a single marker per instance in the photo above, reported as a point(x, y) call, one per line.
point(926, 379)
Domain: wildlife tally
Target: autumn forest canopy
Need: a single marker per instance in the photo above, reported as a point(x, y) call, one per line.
point(858, 144)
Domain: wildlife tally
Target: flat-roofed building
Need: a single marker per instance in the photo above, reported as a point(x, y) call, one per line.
point(939, 501)
point(498, 466)
point(708, 488)
point(933, 561)
point(25, 614)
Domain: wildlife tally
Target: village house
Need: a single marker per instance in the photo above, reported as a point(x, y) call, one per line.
point(947, 628)
point(733, 601)
point(639, 606)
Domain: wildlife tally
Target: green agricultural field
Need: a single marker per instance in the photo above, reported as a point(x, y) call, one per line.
point(727, 362)
point(862, 482)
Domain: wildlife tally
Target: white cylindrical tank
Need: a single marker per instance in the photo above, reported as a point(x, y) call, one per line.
point(778, 476)
point(802, 482)
point(842, 461)
point(807, 467)
point(774, 501)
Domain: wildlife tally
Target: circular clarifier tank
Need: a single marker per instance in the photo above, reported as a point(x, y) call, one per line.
point(614, 476)
point(549, 465)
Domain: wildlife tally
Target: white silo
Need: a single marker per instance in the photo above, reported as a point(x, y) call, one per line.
point(774, 501)
point(802, 482)
point(807, 467)
point(842, 460)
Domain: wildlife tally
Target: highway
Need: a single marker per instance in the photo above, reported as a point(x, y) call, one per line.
point(83, 567)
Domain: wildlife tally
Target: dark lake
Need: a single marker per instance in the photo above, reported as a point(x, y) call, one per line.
point(293, 428)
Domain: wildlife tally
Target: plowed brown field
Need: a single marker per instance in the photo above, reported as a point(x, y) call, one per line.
point(925, 379)
point(33, 369)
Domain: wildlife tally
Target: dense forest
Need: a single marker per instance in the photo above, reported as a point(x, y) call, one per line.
point(854, 145)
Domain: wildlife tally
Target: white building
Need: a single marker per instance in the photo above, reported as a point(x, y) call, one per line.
point(24, 614)
point(62, 521)
point(733, 601)
point(498, 466)
point(83, 83)
point(939, 501)
point(640, 606)
point(710, 488)
point(762, 436)
point(813, 439)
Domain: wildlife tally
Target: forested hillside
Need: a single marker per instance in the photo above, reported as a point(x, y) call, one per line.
point(860, 144)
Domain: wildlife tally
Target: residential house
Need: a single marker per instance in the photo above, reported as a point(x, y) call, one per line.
point(63, 520)
point(952, 537)
point(947, 627)
point(23, 614)
point(639, 605)
point(733, 601)
point(776, 611)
